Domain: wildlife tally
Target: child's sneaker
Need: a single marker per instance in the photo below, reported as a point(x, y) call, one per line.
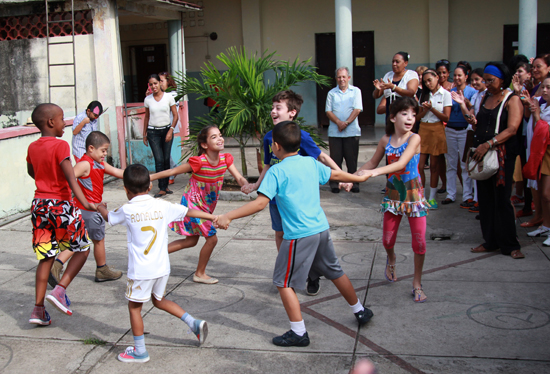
point(55, 273)
point(59, 299)
point(40, 316)
point(517, 200)
point(432, 204)
point(130, 355)
point(105, 273)
point(201, 330)
point(313, 287)
point(364, 316)
point(290, 338)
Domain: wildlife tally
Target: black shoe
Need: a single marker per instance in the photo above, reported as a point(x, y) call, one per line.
point(441, 190)
point(447, 201)
point(355, 189)
point(364, 316)
point(313, 287)
point(335, 190)
point(290, 338)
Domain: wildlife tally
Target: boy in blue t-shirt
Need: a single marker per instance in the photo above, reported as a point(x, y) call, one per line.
point(306, 247)
point(286, 106)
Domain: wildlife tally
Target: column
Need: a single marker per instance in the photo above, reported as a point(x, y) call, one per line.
point(252, 32)
point(344, 41)
point(108, 77)
point(528, 27)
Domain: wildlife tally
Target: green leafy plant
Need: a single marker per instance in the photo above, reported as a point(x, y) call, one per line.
point(243, 94)
point(93, 341)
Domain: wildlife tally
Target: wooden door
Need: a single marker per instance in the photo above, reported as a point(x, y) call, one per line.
point(362, 72)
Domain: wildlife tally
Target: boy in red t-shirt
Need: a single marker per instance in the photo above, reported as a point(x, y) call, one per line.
point(89, 173)
point(57, 223)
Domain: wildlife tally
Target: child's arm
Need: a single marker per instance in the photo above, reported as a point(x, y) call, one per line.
point(82, 169)
point(30, 170)
point(378, 155)
point(342, 176)
point(69, 175)
point(115, 172)
point(79, 127)
point(181, 169)
point(325, 159)
point(246, 210)
point(200, 214)
point(414, 143)
point(238, 177)
point(102, 209)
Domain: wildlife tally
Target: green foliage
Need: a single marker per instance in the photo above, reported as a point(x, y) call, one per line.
point(243, 94)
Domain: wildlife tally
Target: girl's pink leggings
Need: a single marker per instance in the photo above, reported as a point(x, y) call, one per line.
point(418, 231)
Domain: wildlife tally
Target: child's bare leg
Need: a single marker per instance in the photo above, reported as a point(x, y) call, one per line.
point(346, 289)
point(204, 256)
point(73, 268)
point(188, 242)
point(99, 252)
point(392, 259)
point(278, 239)
point(169, 307)
point(421, 163)
point(64, 256)
point(418, 266)
point(135, 317)
point(291, 304)
point(42, 274)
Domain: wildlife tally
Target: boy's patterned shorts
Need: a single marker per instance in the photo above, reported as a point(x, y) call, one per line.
point(57, 225)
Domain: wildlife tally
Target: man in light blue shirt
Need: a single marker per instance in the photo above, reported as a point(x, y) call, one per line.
point(344, 103)
point(83, 124)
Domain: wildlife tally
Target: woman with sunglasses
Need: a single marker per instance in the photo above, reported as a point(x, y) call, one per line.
point(495, 210)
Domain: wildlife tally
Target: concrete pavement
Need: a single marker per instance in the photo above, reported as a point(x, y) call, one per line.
point(485, 313)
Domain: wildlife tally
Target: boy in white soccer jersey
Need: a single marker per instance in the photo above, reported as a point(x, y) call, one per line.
point(147, 222)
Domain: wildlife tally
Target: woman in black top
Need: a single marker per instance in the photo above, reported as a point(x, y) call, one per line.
point(495, 210)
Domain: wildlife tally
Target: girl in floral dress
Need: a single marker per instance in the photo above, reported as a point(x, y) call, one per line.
point(404, 193)
point(202, 193)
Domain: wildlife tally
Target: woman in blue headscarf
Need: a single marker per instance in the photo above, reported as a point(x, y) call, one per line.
point(495, 210)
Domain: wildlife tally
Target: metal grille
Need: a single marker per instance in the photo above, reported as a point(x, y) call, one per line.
point(34, 26)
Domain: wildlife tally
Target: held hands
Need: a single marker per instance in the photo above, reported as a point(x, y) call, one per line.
point(221, 222)
point(248, 188)
point(386, 85)
point(341, 125)
point(367, 174)
point(345, 186)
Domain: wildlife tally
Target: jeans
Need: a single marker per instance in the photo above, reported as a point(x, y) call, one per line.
point(161, 152)
point(344, 149)
point(455, 150)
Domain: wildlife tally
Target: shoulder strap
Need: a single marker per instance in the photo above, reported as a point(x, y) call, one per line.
point(503, 104)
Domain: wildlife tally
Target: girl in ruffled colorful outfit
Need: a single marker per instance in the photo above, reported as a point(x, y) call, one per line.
point(404, 193)
point(202, 193)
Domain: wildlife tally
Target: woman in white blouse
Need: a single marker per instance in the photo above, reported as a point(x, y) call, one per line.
point(158, 129)
point(398, 82)
point(435, 109)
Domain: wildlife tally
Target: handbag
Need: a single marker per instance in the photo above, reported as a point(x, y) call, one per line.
point(488, 165)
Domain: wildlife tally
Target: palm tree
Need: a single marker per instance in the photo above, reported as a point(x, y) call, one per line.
point(243, 93)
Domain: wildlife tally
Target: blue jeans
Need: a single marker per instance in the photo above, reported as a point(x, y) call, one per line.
point(161, 152)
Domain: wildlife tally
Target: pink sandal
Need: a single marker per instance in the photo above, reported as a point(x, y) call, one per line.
point(417, 293)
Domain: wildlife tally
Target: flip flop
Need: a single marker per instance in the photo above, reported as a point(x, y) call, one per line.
point(418, 293)
point(481, 249)
point(392, 271)
point(517, 254)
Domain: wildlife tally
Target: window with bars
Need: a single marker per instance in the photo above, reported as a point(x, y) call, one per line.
point(34, 25)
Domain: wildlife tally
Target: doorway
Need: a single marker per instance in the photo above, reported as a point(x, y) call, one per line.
point(362, 72)
point(511, 36)
point(144, 61)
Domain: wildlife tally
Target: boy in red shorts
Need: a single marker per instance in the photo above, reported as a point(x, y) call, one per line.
point(57, 222)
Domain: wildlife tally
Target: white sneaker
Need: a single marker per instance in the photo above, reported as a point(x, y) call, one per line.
point(546, 243)
point(538, 232)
